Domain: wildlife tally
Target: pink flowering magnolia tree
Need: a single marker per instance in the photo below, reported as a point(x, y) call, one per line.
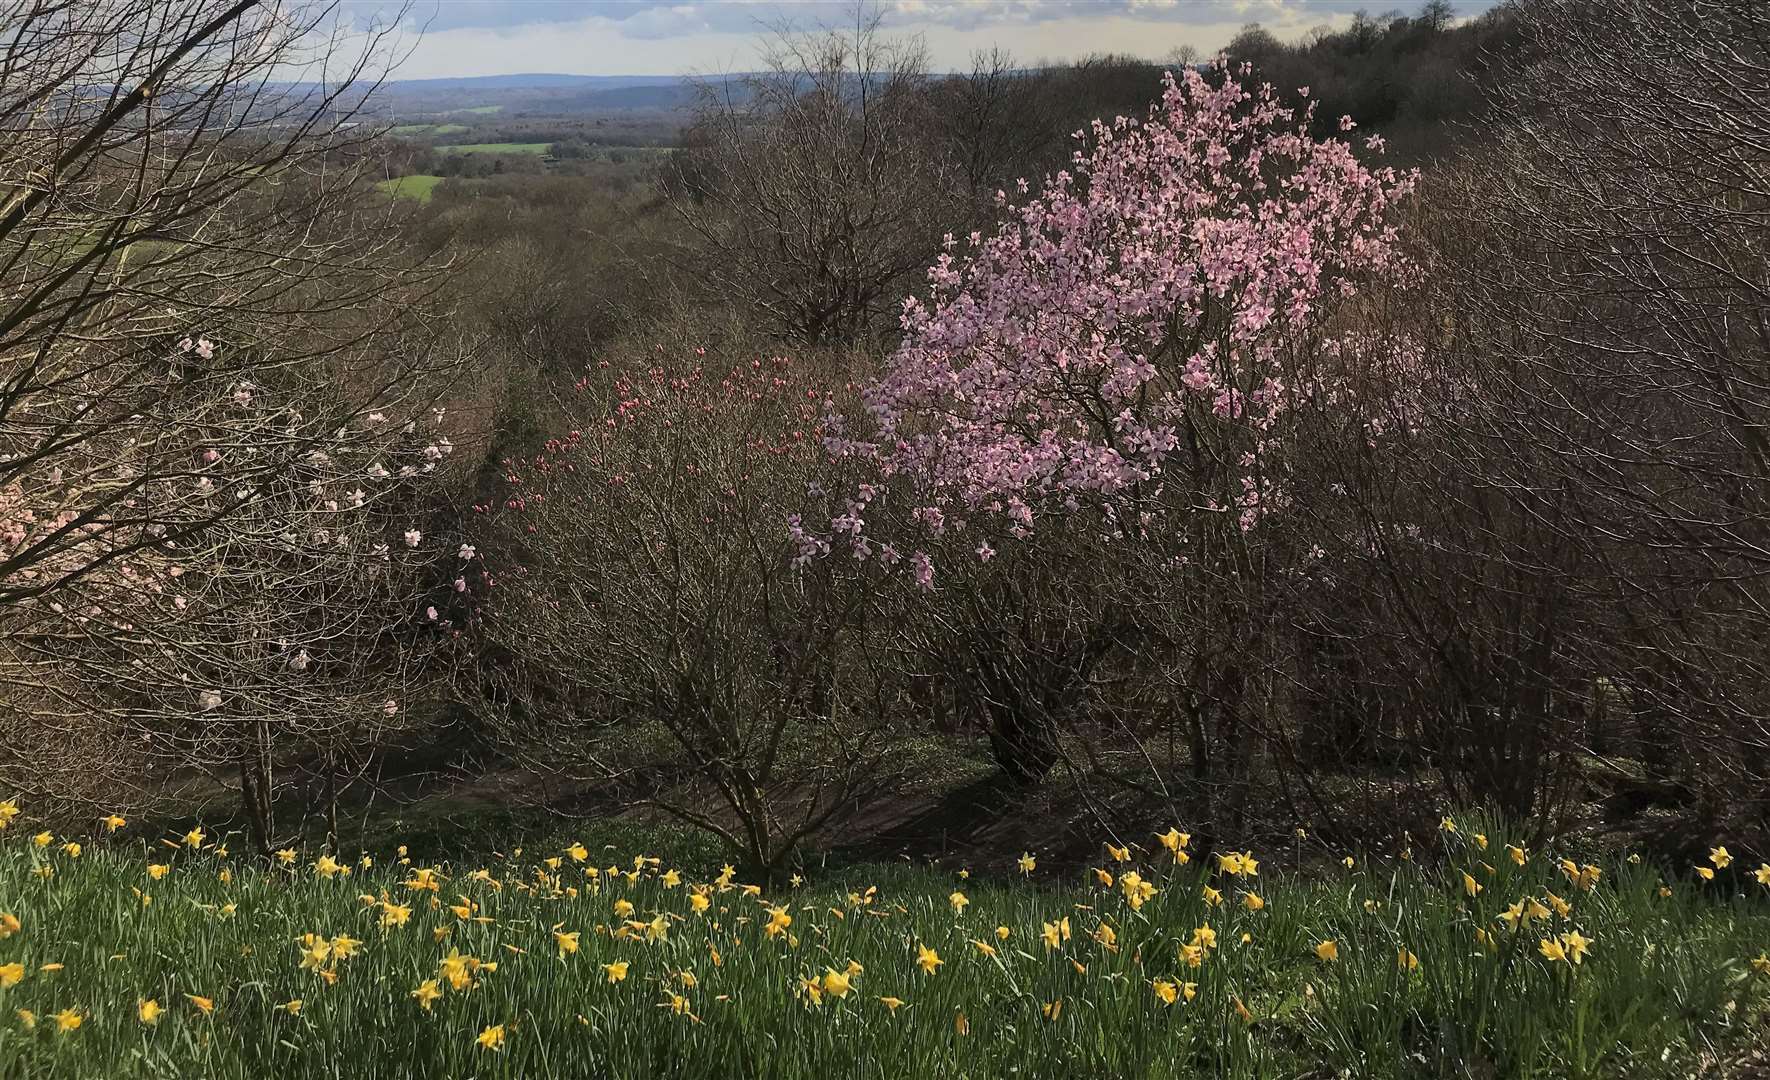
point(1133, 339)
point(1130, 361)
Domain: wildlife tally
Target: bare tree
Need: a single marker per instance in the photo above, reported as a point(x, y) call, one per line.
point(823, 199)
point(214, 362)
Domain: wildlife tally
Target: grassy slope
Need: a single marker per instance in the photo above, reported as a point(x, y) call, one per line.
point(421, 186)
point(1659, 977)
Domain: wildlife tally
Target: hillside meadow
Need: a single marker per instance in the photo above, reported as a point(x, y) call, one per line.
point(178, 956)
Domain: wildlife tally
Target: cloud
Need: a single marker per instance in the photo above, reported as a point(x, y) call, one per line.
point(646, 37)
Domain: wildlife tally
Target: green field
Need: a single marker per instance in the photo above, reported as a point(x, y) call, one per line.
point(420, 186)
point(182, 956)
point(498, 148)
point(416, 130)
point(477, 110)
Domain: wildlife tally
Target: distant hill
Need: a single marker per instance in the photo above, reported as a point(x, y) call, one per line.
point(539, 81)
point(509, 96)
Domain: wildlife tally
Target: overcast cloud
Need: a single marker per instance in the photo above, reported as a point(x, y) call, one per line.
point(647, 37)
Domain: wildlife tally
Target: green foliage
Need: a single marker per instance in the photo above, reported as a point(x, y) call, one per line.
point(1662, 975)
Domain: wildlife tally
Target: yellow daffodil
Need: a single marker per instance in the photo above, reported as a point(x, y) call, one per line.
point(1328, 950)
point(1551, 949)
point(204, 1005)
point(958, 900)
point(194, 838)
point(1407, 961)
point(1470, 885)
point(9, 925)
point(567, 941)
point(491, 1038)
point(427, 993)
point(1720, 857)
point(892, 1003)
point(11, 974)
point(1119, 854)
point(927, 959)
point(1166, 991)
point(1027, 863)
point(616, 971)
point(68, 1020)
point(837, 983)
point(148, 1011)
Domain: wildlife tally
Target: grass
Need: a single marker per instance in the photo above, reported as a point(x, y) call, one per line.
point(1036, 977)
point(498, 148)
point(420, 186)
point(478, 110)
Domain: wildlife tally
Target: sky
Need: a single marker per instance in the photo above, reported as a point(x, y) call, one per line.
point(452, 38)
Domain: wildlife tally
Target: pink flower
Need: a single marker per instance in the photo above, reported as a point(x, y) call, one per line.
point(412, 537)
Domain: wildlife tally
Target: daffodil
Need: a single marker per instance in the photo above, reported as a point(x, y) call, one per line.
point(9, 925)
point(927, 959)
point(1470, 885)
point(567, 941)
point(194, 838)
point(148, 1011)
point(1119, 854)
point(1407, 961)
point(958, 900)
point(1166, 991)
point(837, 983)
point(68, 1020)
point(1253, 901)
point(1327, 951)
point(1720, 857)
point(427, 993)
point(492, 1038)
point(204, 1005)
point(8, 811)
point(616, 971)
point(1048, 933)
point(892, 1003)
point(1551, 949)
point(11, 974)
point(778, 921)
point(1027, 863)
